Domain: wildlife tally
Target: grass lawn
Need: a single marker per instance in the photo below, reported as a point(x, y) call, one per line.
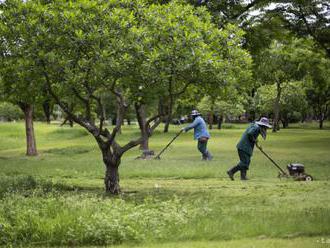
point(57, 198)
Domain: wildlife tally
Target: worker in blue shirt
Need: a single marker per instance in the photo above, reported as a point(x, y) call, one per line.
point(246, 144)
point(200, 133)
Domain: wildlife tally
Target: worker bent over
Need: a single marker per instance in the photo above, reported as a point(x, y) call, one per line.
point(246, 144)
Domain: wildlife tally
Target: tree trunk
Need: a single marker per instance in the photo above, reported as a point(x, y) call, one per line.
point(321, 124)
point(285, 120)
point(170, 106)
point(47, 110)
point(167, 124)
point(111, 179)
point(285, 123)
point(210, 120)
point(323, 115)
point(145, 131)
point(141, 119)
point(31, 147)
point(169, 116)
point(220, 119)
point(65, 120)
point(117, 122)
point(129, 121)
point(277, 107)
point(114, 120)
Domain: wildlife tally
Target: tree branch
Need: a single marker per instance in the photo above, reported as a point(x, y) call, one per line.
point(130, 145)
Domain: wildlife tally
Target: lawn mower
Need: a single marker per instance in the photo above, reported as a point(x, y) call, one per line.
point(296, 171)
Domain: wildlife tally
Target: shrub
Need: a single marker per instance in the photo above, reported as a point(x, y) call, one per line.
point(10, 112)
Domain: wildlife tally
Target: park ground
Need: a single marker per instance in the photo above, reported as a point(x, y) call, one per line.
point(57, 198)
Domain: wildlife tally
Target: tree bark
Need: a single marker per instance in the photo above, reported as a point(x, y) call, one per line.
point(323, 115)
point(141, 118)
point(321, 124)
point(220, 120)
point(65, 120)
point(111, 179)
point(114, 120)
point(285, 123)
point(277, 107)
point(119, 121)
point(47, 110)
point(169, 115)
point(170, 107)
point(210, 120)
point(31, 146)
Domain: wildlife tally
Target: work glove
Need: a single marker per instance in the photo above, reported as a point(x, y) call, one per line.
point(183, 130)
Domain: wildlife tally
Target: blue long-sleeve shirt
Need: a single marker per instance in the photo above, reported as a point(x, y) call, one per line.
point(199, 127)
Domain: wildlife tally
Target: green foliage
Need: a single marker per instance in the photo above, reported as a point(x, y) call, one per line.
point(232, 107)
point(279, 63)
point(307, 18)
point(293, 100)
point(20, 81)
point(316, 71)
point(10, 112)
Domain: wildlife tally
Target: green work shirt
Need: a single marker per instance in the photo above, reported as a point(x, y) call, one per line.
point(249, 138)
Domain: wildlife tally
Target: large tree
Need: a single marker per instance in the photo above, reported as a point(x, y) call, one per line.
point(83, 49)
point(316, 70)
point(20, 82)
point(279, 65)
point(293, 102)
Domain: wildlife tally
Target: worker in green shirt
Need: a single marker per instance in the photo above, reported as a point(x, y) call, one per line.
point(246, 144)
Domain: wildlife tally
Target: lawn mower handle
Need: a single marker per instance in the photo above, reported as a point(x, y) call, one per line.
point(177, 135)
point(282, 171)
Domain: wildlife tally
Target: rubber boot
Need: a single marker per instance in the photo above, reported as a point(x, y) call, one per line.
point(243, 175)
point(209, 156)
point(232, 171)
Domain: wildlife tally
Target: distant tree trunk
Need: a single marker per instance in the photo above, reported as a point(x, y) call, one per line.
point(31, 146)
point(285, 120)
point(210, 119)
point(170, 104)
point(67, 119)
point(169, 115)
point(129, 121)
point(322, 115)
point(119, 121)
point(220, 119)
point(114, 120)
point(277, 107)
point(141, 119)
point(285, 123)
point(47, 110)
point(321, 124)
